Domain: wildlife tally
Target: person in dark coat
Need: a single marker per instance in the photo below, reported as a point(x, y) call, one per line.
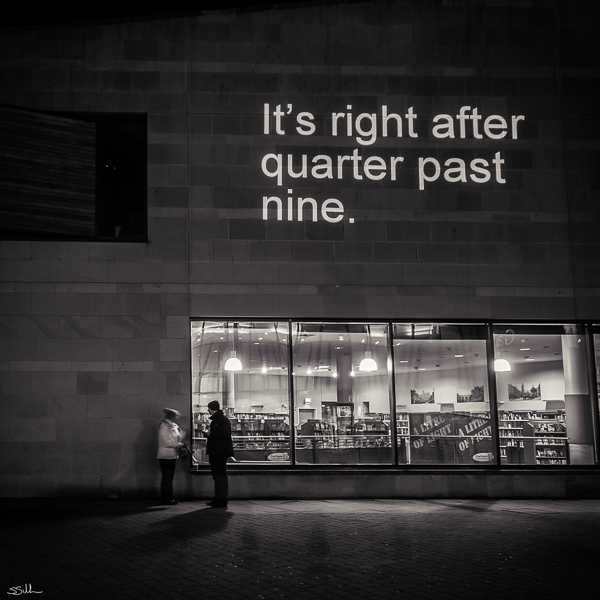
point(219, 448)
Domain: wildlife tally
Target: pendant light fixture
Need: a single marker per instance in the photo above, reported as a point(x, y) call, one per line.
point(233, 362)
point(368, 364)
point(501, 365)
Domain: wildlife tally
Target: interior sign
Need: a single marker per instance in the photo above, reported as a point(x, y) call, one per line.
point(357, 164)
point(459, 438)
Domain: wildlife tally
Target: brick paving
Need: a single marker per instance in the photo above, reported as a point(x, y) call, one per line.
point(301, 550)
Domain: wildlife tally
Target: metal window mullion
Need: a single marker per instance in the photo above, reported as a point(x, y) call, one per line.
point(292, 406)
point(492, 392)
point(392, 388)
point(593, 383)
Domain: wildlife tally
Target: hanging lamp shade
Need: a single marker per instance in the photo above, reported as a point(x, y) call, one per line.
point(233, 362)
point(368, 364)
point(501, 365)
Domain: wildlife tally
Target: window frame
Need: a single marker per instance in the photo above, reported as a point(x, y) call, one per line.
point(588, 329)
point(106, 200)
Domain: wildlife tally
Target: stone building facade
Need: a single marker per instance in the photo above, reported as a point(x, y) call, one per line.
point(479, 202)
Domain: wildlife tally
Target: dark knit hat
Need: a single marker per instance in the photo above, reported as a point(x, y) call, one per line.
point(214, 405)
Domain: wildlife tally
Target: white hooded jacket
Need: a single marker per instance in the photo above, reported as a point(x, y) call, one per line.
point(170, 436)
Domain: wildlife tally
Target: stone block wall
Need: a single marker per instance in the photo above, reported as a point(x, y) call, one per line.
point(94, 337)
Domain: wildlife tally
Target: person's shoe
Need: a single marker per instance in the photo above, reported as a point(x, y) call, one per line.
point(210, 503)
point(218, 504)
point(171, 502)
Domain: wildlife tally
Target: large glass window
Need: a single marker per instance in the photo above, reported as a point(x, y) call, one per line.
point(342, 393)
point(243, 366)
point(544, 402)
point(442, 394)
point(360, 393)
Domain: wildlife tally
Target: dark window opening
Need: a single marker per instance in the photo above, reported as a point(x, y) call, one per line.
point(72, 176)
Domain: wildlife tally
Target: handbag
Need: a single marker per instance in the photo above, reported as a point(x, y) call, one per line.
point(184, 451)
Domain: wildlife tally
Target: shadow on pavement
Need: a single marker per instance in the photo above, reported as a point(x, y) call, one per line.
point(480, 506)
point(178, 529)
point(17, 511)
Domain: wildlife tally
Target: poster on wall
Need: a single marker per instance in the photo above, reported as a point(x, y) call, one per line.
point(450, 438)
point(476, 394)
point(523, 393)
point(345, 418)
point(344, 410)
point(422, 397)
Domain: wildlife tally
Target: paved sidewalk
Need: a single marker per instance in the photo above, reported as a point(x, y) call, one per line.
point(321, 550)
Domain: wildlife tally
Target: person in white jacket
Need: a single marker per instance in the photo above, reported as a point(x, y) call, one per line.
point(170, 437)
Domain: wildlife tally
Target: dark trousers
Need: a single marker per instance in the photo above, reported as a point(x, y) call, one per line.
point(167, 469)
point(218, 467)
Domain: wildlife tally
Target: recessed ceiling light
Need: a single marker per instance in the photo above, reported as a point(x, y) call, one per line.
point(524, 349)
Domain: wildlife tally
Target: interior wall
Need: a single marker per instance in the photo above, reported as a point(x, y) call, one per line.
point(445, 385)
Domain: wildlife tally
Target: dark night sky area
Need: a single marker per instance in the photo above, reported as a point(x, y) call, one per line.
point(52, 14)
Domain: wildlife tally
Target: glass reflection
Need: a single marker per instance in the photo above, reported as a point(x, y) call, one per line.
point(544, 405)
point(342, 393)
point(340, 409)
point(442, 401)
point(243, 365)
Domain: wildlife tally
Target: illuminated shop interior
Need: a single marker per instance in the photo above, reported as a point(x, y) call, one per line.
point(317, 393)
